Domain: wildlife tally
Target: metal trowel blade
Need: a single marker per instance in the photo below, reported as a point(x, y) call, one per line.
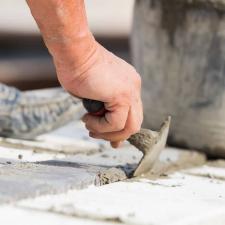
point(151, 143)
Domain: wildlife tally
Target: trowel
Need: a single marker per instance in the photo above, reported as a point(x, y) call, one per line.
point(149, 142)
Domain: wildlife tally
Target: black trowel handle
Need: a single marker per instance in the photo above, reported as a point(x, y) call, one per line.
point(94, 107)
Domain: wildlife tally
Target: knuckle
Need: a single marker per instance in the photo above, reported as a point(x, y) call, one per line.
point(125, 95)
point(134, 129)
point(117, 123)
point(89, 127)
point(125, 135)
point(117, 126)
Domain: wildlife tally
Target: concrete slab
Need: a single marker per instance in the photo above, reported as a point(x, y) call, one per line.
point(68, 159)
point(179, 200)
point(45, 185)
point(25, 180)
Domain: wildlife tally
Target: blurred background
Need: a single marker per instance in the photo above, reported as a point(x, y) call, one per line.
point(24, 60)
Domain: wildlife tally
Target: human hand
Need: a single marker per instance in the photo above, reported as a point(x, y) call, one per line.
point(111, 80)
point(87, 70)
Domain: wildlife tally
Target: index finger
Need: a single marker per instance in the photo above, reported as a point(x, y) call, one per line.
point(112, 121)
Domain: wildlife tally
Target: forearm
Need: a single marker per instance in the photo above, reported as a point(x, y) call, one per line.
point(64, 27)
point(88, 70)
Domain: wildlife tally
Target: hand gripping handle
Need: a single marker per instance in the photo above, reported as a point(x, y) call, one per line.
point(94, 107)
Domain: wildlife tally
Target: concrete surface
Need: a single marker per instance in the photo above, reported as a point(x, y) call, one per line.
point(47, 168)
point(18, 181)
point(45, 186)
point(25, 216)
point(180, 199)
